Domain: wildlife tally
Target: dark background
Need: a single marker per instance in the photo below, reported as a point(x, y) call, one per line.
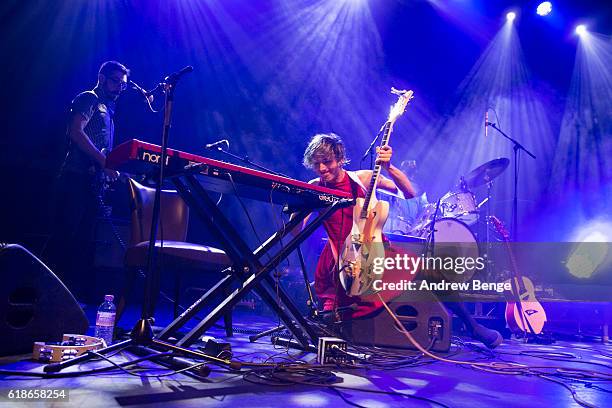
point(270, 74)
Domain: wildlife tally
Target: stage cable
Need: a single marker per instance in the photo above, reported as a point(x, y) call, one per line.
point(509, 368)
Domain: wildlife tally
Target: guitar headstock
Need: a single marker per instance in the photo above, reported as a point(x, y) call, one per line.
point(499, 227)
point(400, 106)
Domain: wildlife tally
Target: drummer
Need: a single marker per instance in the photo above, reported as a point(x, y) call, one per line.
point(404, 215)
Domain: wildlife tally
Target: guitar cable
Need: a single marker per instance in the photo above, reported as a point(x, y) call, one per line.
point(512, 368)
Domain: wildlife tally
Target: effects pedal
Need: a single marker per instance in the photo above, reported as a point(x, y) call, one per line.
point(332, 350)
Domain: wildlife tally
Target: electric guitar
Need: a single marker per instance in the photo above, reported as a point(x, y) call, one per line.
point(527, 314)
point(364, 243)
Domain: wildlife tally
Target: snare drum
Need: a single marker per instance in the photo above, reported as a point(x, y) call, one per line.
point(461, 206)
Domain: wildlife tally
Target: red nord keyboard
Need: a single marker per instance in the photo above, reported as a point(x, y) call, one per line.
point(137, 157)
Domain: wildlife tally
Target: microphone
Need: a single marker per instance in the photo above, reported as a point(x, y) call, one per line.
point(486, 123)
point(177, 75)
point(216, 144)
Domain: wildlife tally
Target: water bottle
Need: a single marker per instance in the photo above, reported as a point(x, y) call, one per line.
point(105, 320)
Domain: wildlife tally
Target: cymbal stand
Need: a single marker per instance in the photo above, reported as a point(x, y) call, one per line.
point(488, 232)
point(431, 240)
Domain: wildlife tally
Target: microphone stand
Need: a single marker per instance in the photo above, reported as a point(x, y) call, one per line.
point(370, 149)
point(142, 333)
point(517, 147)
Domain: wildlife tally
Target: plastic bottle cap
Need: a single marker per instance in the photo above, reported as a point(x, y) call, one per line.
point(109, 298)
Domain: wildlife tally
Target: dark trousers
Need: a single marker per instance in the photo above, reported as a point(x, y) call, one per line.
point(74, 209)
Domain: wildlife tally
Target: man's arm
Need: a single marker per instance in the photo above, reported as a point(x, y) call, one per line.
point(78, 136)
point(399, 181)
point(296, 230)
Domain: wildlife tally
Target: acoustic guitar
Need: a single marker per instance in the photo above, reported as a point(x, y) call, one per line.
point(526, 314)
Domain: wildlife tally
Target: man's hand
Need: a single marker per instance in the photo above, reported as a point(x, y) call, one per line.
point(384, 156)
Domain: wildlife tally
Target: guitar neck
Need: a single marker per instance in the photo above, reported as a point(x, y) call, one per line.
point(376, 172)
point(515, 272)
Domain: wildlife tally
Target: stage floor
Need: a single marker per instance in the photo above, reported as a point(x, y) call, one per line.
point(429, 383)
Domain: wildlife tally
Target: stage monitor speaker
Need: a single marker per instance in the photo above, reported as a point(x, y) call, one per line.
point(34, 303)
point(421, 314)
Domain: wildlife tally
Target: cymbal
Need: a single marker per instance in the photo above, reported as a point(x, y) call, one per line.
point(486, 172)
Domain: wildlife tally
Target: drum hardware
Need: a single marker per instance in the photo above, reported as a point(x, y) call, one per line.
point(430, 238)
point(487, 245)
point(483, 202)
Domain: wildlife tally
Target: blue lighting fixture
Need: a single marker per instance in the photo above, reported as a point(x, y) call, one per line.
point(511, 16)
point(544, 8)
point(581, 29)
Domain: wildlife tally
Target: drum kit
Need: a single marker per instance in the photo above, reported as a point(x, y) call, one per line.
point(453, 218)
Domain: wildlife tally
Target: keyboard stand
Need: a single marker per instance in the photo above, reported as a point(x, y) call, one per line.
point(248, 272)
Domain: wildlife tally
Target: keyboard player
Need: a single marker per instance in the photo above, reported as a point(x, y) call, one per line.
point(78, 186)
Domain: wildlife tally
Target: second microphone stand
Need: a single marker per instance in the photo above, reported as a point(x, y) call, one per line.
point(517, 147)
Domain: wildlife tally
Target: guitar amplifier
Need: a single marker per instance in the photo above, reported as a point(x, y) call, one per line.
point(420, 313)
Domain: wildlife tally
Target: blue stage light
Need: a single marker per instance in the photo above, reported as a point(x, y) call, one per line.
point(544, 8)
point(581, 29)
point(511, 16)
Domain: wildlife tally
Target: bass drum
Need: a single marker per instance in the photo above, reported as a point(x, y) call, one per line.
point(453, 239)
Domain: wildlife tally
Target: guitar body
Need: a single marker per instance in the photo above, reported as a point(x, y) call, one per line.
point(523, 312)
point(527, 315)
point(362, 246)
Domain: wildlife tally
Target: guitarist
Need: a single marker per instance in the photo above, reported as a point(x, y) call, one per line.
point(326, 156)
